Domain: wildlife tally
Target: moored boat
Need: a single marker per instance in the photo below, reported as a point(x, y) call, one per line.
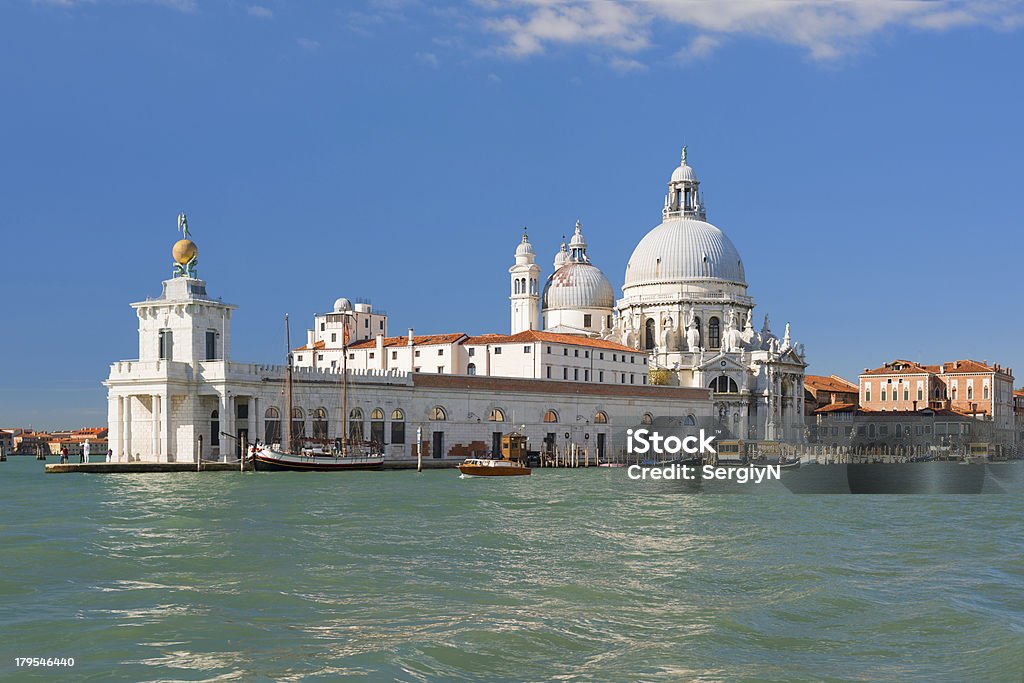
point(488, 467)
point(269, 460)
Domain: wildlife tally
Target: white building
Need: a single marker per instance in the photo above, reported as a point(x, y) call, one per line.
point(685, 303)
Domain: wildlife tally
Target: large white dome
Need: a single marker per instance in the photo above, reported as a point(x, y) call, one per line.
point(576, 286)
point(682, 249)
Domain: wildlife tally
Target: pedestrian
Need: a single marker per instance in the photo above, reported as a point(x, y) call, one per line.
point(64, 454)
point(85, 451)
point(110, 454)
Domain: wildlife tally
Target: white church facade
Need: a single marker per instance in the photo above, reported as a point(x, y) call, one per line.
point(576, 369)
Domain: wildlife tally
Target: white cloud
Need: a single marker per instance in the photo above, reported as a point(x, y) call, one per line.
point(826, 30)
point(259, 11)
point(494, 78)
point(308, 43)
point(429, 59)
point(180, 5)
point(625, 64)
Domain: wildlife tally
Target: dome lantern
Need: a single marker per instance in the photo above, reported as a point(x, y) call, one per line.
point(684, 198)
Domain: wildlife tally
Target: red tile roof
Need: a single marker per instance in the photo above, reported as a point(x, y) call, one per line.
point(552, 337)
point(831, 383)
point(907, 367)
point(315, 347)
point(421, 340)
point(836, 407)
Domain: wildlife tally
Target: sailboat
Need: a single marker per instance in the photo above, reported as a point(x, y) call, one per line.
point(268, 459)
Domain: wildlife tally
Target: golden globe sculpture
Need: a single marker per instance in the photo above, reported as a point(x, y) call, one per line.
point(184, 252)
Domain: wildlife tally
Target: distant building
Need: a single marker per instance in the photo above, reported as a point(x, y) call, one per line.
point(976, 389)
point(6, 441)
point(821, 391)
point(1018, 417)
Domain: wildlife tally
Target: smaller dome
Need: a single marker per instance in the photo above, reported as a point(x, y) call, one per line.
point(684, 173)
point(576, 286)
point(524, 247)
point(577, 238)
point(562, 257)
point(342, 305)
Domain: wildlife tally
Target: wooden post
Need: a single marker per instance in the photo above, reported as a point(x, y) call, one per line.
point(419, 449)
point(245, 449)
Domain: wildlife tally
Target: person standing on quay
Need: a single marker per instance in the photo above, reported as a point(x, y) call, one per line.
point(85, 451)
point(63, 454)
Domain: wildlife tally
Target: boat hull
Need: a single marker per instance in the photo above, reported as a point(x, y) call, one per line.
point(490, 471)
point(271, 461)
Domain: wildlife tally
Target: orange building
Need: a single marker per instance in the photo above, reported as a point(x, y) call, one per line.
point(821, 391)
point(969, 387)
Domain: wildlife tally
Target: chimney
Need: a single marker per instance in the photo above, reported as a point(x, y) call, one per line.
point(380, 349)
point(410, 342)
point(309, 337)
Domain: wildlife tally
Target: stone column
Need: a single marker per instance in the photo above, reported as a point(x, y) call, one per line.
point(154, 428)
point(257, 418)
point(126, 445)
point(165, 424)
point(224, 412)
point(252, 419)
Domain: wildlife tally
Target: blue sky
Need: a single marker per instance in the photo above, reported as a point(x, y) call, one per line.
point(864, 157)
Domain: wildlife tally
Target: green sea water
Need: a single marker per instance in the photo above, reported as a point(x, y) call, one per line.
point(563, 575)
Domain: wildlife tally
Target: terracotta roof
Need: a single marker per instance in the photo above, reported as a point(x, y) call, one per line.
point(421, 340)
point(552, 337)
point(907, 367)
point(832, 383)
point(836, 407)
point(1018, 392)
point(963, 366)
point(316, 346)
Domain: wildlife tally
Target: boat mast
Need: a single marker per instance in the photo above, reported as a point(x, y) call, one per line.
point(287, 432)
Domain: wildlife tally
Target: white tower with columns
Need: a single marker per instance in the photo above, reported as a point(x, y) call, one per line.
point(525, 288)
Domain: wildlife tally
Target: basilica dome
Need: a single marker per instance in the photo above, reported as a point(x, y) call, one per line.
point(684, 248)
point(577, 285)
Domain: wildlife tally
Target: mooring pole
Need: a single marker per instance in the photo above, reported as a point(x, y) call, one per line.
point(419, 449)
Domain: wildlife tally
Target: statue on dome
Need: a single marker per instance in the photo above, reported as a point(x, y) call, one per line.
point(732, 340)
point(184, 252)
point(693, 335)
point(670, 336)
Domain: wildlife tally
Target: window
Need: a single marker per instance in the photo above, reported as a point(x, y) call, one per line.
point(377, 426)
point(417, 354)
point(321, 356)
point(867, 393)
point(351, 356)
point(549, 349)
point(970, 392)
point(272, 425)
point(527, 349)
point(647, 419)
point(366, 322)
point(586, 375)
point(550, 416)
point(496, 415)
point(355, 424)
point(471, 369)
point(576, 353)
point(438, 413)
point(609, 322)
point(298, 424)
point(320, 424)
point(334, 336)
point(166, 345)
point(394, 355)
point(299, 357)
point(397, 426)
point(906, 393)
point(632, 378)
point(549, 372)
point(380, 324)
point(724, 385)
point(649, 334)
point(600, 355)
point(565, 373)
point(690, 421)
point(632, 359)
point(586, 354)
point(714, 333)
point(214, 429)
point(587, 320)
point(497, 350)
point(440, 369)
point(883, 393)
point(211, 344)
point(472, 352)
point(565, 352)
point(440, 352)
point(600, 418)
point(920, 394)
point(984, 392)
point(576, 374)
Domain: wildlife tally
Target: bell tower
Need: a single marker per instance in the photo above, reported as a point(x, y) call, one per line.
point(525, 288)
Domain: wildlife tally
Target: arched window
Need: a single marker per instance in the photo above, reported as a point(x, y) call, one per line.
point(690, 421)
point(272, 425)
point(600, 418)
point(899, 430)
point(397, 426)
point(649, 334)
point(724, 385)
point(516, 291)
point(355, 424)
point(551, 416)
point(647, 419)
point(984, 392)
point(700, 332)
point(320, 424)
point(871, 431)
point(496, 415)
point(377, 426)
point(970, 392)
point(471, 369)
point(298, 424)
point(714, 333)
point(954, 392)
point(438, 413)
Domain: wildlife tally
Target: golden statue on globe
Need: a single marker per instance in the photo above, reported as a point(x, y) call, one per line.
point(185, 252)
